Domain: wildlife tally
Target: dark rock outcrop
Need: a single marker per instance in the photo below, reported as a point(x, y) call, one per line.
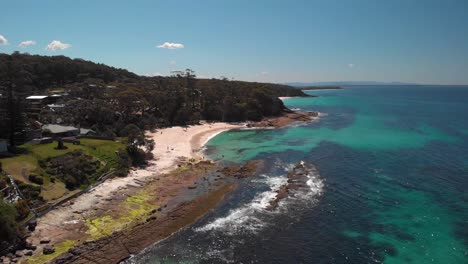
point(45, 240)
point(297, 181)
point(242, 171)
point(286, 119)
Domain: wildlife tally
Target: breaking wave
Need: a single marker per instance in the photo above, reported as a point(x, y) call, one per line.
point(254, 216)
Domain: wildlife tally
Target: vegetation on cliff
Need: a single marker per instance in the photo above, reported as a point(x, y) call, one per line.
point(107, 99)
point(9, 228)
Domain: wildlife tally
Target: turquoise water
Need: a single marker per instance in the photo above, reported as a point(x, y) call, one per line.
point(393, 165)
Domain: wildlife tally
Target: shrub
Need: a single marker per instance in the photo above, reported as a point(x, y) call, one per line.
point(137, 155)
point(30, 192)
point(46, 132)
point(36, 179)
point(123, 164)
point(42, 163)
point(75, 169)
point(3, 183)
point(71, 183)
point(9, 229)
point(22, 209)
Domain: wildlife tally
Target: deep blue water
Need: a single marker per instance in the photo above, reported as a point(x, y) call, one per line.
point(393, 165)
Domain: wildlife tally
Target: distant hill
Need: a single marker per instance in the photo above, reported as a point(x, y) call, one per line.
point(40, 73)
point(345, 83)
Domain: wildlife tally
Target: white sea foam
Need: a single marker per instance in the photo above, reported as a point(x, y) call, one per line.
point(248, 216)
point(289, 167)
point(257, 128)
point(253, 216)
point(315, 184)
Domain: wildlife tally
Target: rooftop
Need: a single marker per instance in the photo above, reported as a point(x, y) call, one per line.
point(36, 97)
point(54, 129)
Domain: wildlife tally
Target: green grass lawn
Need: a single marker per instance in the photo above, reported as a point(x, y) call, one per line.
point(22, 165)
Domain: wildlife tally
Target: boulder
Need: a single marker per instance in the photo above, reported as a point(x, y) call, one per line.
point(32, 225)
point(28, 253)
point(45, 240)
point(30, 246)
point(48, 249)
point(151, 218)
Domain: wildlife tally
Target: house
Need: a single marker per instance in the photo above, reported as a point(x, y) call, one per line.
point(54, 98)
point(61, 131)
point(85, 131)
point(3, 145)
point(42, 99)
point(36, 103)
point(65, 131)
point(56, 107)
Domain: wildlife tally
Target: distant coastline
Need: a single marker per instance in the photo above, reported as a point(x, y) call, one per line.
point(312, 88)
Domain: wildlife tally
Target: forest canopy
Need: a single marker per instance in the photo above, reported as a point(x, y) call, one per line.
point(107, 99)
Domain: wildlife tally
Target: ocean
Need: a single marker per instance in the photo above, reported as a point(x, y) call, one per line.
point(390, 186)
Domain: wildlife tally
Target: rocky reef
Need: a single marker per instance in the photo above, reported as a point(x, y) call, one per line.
point(297, 183)
point(286, 119)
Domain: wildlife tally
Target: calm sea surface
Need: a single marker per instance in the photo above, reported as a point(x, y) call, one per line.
point(392, 185)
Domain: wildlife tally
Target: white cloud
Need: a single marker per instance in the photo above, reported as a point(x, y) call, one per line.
point(57, 45)
point(264, 73)
point(26, 43)
point(170, 45)
point(172, 62)
point(351, 65)
point(3, 40)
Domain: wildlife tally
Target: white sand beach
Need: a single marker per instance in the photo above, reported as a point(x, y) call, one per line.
point(175, 142)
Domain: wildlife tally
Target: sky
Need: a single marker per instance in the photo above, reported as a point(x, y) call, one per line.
point(413, 41)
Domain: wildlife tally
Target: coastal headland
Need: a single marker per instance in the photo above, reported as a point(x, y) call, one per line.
point(122, 216)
